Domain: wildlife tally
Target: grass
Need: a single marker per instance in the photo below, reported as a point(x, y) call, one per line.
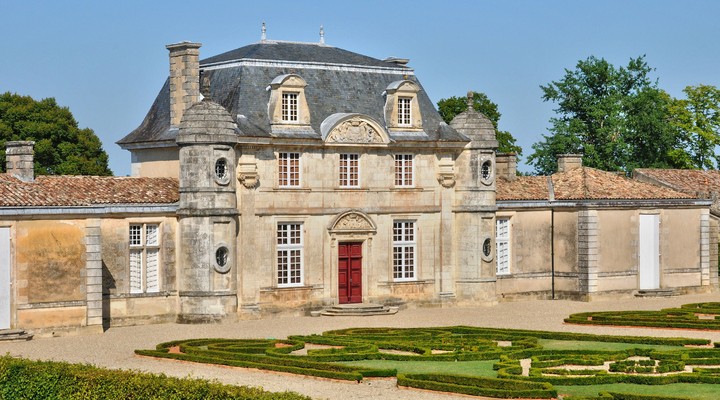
point(550, 344)
point(475, 368)
point(695, 391)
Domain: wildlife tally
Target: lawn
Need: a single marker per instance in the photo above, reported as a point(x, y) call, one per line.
point(550, 344)
point(475, 368)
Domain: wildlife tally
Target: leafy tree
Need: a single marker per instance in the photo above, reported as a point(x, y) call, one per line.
point(453, 106)
point(697, 120)
point(61, 148)
point(616, 117)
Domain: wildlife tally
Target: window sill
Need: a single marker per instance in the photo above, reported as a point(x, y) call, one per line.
point(406, 189)
point(291, 189)
point(288, 288)
point(351, 189)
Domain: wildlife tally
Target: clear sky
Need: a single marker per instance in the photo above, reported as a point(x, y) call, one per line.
point(106, 60)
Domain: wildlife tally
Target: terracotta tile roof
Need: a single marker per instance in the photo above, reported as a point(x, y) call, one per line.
point(583, 184)
point(694, 182)
point(522, 188)
point(86, 191)
point(592, 184)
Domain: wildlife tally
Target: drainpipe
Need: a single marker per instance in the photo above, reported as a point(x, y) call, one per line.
point(551, 199)
point(552, 251)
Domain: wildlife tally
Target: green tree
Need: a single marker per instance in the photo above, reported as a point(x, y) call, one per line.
point(616, 117)
point(697, 120)
point(61, 148)
point(453, 106)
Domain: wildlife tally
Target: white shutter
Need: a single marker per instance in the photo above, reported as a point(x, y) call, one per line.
point(136, 271)
point(502, 246)
point(152, 266)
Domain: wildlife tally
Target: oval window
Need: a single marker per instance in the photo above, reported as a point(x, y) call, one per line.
point(222, 255)
point(485, 171)
point(222, 171)
point(487, 247)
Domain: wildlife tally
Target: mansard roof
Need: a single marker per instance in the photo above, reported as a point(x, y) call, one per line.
point(338, 81)
point(580, 184)
point(72, 191)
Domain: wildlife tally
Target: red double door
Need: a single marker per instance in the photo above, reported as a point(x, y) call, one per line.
point(350, 272)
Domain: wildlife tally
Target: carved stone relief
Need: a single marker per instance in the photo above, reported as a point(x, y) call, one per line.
point(355, 131)
point(352, 222)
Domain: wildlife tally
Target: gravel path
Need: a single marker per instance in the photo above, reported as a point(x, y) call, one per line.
point(114, 348)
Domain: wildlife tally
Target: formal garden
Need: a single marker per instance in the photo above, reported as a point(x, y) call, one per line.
point(502, 363)
point(687, 316)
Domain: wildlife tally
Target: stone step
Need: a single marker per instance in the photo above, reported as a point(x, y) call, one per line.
point(14, 334)
point(656, 293)
point(359, 310)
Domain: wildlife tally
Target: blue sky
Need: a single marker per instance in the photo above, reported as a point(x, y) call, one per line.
point(106, 61)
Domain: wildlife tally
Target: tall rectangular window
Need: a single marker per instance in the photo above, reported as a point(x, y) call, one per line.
point(502, 245)
point(289, 254)
point(144, 258)
point(404, 116)
point(289, 106)
point(403, 170)
point(289, 169)
point(349, 170)
point(404, 246)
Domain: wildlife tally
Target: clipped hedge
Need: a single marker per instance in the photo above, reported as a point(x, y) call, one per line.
point(25, 379)
point(478, 386)
point(686, 316)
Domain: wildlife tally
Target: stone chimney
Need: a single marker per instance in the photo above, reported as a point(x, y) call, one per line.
point(506, 166)
point(19, 160)
point(566, 162)
point(184, 78)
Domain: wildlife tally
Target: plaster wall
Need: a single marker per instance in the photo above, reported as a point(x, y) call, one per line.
point(152, 163)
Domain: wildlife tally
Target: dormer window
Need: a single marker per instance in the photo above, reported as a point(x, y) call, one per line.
point(290, 106)
point(287, 108)
point(402, 111)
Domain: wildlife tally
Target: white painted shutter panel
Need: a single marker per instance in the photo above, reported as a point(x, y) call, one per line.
point(151, 235)
point(136, 271)
point(152, 266)
point(502, 246)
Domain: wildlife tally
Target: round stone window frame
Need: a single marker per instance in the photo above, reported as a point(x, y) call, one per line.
point(487, 165)
point(222, 179)
point(224, 267)
point(487, 244)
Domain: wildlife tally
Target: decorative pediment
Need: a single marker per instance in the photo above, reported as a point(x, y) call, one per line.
point(353, 129)
point(352, 221)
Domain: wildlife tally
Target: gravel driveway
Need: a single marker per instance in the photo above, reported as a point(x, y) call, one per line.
point(114, 348)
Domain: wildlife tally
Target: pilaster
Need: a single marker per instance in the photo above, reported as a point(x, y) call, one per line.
point(93, 272)
point(588, 250)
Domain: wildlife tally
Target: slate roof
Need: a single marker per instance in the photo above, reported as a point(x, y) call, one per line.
point(72, 191)
point(338, 81)
point(293, 51)
point(698, 183)
point(583, 183)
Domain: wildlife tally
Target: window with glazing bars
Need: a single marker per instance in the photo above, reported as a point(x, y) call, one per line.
point(403, 114)
point(289, 169)
point(289, 106)
point(349, 170)
point(404, 247)
point(144, 258)
point(289, 254)
point(403, 169)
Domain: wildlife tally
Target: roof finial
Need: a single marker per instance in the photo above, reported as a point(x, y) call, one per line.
point(470, 101)
point(322, 35)
point(263, 36)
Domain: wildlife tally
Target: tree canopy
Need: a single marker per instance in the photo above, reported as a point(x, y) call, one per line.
point(453, 106)
point(61, 148)
point(620, 119)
